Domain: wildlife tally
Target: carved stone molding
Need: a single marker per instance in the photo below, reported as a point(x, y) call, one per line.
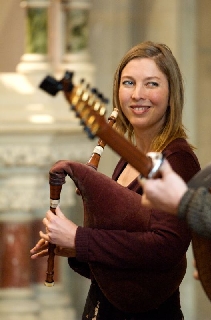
point(31, 150)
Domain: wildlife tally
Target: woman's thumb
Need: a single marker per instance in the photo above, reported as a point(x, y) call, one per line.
point(59, 213)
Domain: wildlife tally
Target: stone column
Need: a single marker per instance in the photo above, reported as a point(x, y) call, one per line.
point(76, 56)
point(35, 57)
point(17, 298)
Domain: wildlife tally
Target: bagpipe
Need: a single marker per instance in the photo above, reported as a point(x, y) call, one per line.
point(129, 290)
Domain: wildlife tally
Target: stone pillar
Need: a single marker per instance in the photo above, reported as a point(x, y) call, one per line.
point(17, 298)
point(76, 56)
point(55, 35)
point(35, 57)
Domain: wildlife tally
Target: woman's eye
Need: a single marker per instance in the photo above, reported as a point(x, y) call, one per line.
point(127, 82)
point(152, 84)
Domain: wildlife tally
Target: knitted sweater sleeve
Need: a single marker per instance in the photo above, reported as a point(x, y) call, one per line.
point(195, 207)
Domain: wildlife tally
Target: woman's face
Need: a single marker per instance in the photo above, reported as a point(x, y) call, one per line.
point(144, 94)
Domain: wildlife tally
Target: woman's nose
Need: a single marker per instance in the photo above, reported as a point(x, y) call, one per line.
point(138, 93)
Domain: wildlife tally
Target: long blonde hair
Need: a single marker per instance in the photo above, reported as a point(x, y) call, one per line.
point(173, 127)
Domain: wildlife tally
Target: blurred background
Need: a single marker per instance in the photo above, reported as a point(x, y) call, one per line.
point(88, 37)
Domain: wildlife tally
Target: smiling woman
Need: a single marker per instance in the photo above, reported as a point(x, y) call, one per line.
point(148, 93)
point(159, 62)
point(144, 99)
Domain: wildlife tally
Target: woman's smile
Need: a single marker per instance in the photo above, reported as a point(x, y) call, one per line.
point(139, 109)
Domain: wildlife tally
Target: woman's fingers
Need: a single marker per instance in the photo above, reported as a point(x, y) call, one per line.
point(40, 249)
point(40, 254)
point(40, 245)
point(44, 236)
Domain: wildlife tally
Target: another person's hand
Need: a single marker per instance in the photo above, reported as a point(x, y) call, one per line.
point(163, 193)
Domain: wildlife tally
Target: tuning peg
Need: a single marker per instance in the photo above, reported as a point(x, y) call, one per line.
point(68, 75)
point(51, 85)
point(89, 133)
point(102, 98)
point(105, 100)
point(94, 91)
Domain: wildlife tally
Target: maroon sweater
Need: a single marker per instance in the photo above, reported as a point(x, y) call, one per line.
point(161, 247)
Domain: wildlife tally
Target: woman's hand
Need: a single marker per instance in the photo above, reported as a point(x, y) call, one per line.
point(41, 250)
point(59, 231)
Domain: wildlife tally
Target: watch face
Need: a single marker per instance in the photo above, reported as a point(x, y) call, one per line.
point(201, 178)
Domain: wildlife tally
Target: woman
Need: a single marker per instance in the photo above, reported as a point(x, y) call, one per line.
point(148, 91)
